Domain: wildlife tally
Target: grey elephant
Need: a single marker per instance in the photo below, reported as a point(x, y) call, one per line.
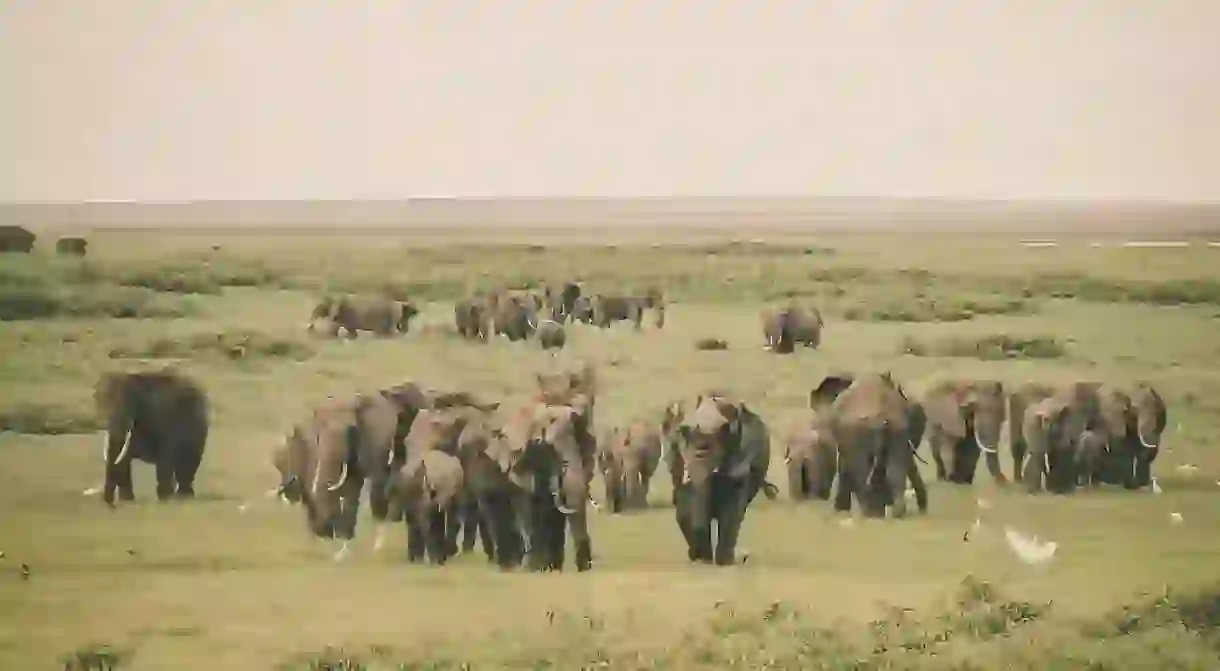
point(627, 460)
point(610, 309)
point(425, 493)
point(550, 334)
point(323, 464)
point(582, 309)
point(1091, 448)
point(380, 315)
point(786, 327)
point(513, 316)
point(1052, 446)
point(1132, 419)
point(871, 425)
point(471, 319)
point(158, 417)
point(964, 421)
point(718, 454)
point(556, 503)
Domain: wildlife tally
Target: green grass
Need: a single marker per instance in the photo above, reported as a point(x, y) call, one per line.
point(233, 581)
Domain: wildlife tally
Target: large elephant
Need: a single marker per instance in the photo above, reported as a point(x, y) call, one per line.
point(380, 315)
point(964, 421)
point(425, 493)
point(550, 334)
point(792, 325)
point(719, 454)
point(559, 494)
point(1052, 446)
point(627, 460)
point(582, 309)
point(610, 309)
point(159, 417)
point(513, 316)
point(323, 463)
point(871, 426)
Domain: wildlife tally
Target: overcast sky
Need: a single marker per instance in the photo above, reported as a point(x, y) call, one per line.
point(288, 99)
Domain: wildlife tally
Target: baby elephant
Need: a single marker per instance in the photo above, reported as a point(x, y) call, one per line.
point(1091, 448)
point(550, 334)
point(425, 494)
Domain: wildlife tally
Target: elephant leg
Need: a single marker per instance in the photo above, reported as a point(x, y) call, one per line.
point(349, 508)
point(470, 524)
point(437, 540)
point(992, 458)
point(897, 472)
point(497, 514)
point(798, 480)
point(847, 487)
point(532, 532)
point(485, 532)
point(185, 468)
point(1033, 472)
point(732, 512)
point(921, 490)
point(123, 481)
point(557, 528)
point(683, 513)
point(415, 538)
point(165, 476)
point(1019, 448)
point(942, 454)
point(451, 527)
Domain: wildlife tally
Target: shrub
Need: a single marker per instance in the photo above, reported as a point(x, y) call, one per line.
point(931, 310)
point(986, 347)
point(232, 345)
point(48, 419)
point(711, 344)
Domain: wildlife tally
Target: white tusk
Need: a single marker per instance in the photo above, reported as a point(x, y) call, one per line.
point(787, 459)
point(1147, 446)
point(685, 475)
point(342, 480)
point(982, 445)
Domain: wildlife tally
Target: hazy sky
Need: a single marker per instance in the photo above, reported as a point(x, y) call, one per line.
point(201, 99)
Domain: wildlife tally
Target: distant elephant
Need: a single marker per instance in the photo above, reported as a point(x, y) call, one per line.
point(550, 334)
point(964, 421)
point(871, 423)
point(159, 417)
point(720, 457)
point(380, 315)
point(627, 460)
point(610, 309)
point(470, 317)
point(582, 309)
point(1052, 447)
point(1091, 449)
point(786, 327)
point(425, 494)
point(513, 317)
point(71, 246)
point(16, 239)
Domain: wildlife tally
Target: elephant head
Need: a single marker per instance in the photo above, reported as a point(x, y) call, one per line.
point(970, 413)
point(1047, 429)
point(709, 444)
point(334, 487)
point(627, 460)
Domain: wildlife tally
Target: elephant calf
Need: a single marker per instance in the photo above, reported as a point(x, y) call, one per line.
point(627, 461)
point(425, 494)
point(811, 460)
point(550, 334)
point(1091, 448)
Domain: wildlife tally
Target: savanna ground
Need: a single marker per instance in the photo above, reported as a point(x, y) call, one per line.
point(233, 581)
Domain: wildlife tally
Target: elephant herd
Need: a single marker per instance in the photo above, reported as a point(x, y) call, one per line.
point(866, 432)
point(517, 479)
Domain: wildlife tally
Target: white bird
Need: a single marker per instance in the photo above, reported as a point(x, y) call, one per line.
point(241, 508)
point(1187, 468)
point(984, 504)
point(847, 522)
point(1029, 549)
point(1175, 518)
point(92, 491)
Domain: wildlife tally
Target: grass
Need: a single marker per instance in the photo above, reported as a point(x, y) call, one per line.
point(232, 581)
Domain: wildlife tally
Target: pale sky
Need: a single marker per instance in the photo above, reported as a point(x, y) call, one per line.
point(336, 99)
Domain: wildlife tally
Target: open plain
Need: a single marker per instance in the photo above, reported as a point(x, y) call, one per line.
point(233, 580)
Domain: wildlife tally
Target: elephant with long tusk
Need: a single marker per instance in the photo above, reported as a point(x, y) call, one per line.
point(964, 420)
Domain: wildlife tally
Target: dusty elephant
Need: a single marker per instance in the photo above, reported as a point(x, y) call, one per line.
point(379, 315)
point(786, 327)
point(1052, 446)
point(964, 422)
point(159, 417)
point(871, 423)
point(718, 454)
point(425, 494)
point(627, 460)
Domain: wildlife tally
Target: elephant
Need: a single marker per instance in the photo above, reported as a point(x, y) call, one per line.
point(582, 309)
point(470, 317)
point(425, 494)
point(567, 297)
point(159, 417)
point(71, 246)
point(1052, 446)
point(559, 494)
point(513, 316)
point(1091, 448)
point(1020, 398)
point(792, 325)
point(964, 421)
point(16, 239)
point(627, 461)
point(379, 315)
point(550, 334)
point(609, 309)
point(718, 454)
point(871, 424)
point(812, 454)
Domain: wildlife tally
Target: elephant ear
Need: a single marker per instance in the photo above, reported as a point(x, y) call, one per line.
point(1114, 408)
point(753, 443)
point(708, 416)
point(943, 408)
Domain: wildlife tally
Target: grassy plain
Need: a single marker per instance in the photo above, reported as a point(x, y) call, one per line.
point(232, 581)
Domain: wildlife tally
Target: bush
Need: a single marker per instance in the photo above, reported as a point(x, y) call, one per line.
point(232, 345)
point(711, 344)
point(48, 419)
point(931, 310)
point(987, 347)
point(35, 299)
